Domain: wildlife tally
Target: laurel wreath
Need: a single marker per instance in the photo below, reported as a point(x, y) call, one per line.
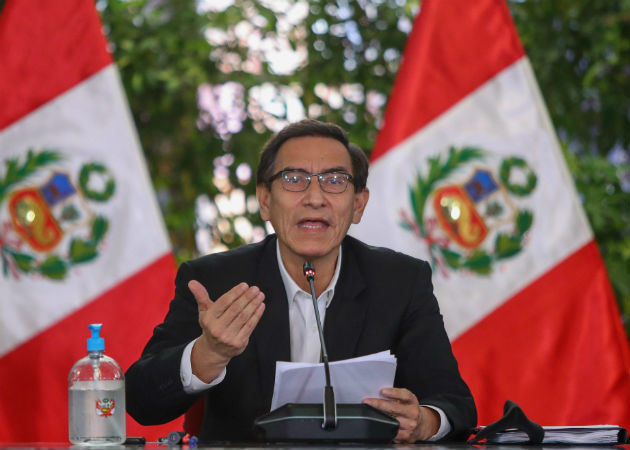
point(80, 250)
point(84, 179)
point(505, 172)
point(506, 244)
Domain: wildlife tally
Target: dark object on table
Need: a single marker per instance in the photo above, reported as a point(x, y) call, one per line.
point(513, 418)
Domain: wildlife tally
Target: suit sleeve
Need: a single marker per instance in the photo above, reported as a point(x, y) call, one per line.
point(155, 392)
point(426, 364)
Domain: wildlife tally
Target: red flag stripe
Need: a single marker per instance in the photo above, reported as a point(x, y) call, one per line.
point(557, 348)
point(444, 61)
point(40, 59)
point(34, 374)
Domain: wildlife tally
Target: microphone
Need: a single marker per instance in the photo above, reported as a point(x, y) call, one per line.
point(330, 407)
point(326, 422)
point(309, 272)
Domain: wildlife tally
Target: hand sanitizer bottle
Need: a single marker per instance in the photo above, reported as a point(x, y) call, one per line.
point(96, 396)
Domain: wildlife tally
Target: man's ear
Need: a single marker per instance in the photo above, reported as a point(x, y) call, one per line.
point(360, 202)
point(263, 195)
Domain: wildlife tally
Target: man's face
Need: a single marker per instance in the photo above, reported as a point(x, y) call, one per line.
point(311, 224)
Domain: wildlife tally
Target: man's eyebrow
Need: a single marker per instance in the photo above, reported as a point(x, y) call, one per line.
point(294, 169)
point(332, 169)
point(335, 169)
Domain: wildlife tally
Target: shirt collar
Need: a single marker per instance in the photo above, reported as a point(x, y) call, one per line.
point(292, 288)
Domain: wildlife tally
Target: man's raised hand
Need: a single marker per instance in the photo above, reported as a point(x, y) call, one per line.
point(226, 326)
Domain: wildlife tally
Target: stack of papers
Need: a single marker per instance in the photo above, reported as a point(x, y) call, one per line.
point(352, 379)
point(591, 434)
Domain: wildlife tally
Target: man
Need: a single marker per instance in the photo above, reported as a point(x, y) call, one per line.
point(236, 313)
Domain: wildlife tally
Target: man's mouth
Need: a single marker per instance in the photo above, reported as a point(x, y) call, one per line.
point(313, 224)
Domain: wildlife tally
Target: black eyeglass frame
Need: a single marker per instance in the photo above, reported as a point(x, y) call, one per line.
point(309, 176)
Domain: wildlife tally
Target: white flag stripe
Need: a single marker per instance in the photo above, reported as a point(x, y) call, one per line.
point(89, 123)
point(503, 119)
point(565, 175)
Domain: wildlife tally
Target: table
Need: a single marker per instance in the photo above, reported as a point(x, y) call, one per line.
point(423, 446)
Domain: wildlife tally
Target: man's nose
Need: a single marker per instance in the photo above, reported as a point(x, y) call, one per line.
point(314, 195)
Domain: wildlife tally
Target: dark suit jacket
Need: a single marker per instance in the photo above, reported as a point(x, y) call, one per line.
point(383, 301)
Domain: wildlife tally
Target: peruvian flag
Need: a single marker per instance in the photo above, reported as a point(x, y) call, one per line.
point(467, 173)
point(81, 236)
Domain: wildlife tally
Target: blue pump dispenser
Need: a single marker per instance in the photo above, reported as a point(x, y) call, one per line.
point(95, 343)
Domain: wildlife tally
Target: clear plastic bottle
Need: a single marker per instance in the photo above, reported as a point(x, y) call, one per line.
point(96, 397)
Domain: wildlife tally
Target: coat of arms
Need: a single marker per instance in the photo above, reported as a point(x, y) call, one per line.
point(48, 225)
point(105, 407)
point(472, 222)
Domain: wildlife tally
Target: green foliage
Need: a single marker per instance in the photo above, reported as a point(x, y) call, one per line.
point(162, 56)
point(608, 210)
point(579, 51)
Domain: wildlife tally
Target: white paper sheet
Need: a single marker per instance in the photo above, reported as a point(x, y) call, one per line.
point(352, 379)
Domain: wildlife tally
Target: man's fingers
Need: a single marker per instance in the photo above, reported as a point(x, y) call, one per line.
point(400, 394)
point(416, 422)
point(200, 294)
point(392, 408)
point(402, 436)
point(238, 307)
point(407, 424)
point(248, 327)
point(234, 320)
point(250, 304)
point(406, 414)
point(231, 319)
point(226, 300)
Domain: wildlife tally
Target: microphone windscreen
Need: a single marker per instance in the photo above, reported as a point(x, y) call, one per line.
point(308, 269)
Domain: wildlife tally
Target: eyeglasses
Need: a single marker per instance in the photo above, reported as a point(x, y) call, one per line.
point(300, 180)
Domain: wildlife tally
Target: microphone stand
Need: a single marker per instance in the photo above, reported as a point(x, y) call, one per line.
point(330, 407)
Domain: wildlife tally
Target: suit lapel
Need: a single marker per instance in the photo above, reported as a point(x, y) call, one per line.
point(271, 335)
point(345, 315)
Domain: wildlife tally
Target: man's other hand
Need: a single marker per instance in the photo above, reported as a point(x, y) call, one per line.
point(417, 423)
point(226, 326)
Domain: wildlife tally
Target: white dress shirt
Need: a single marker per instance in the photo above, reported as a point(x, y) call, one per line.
point(305, 344)
point(304, 336)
